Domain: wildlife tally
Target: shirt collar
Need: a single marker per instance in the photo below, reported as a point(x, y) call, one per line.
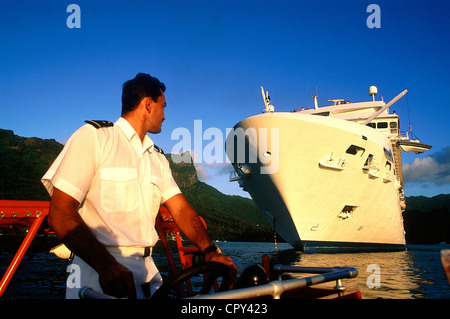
point(130, 132)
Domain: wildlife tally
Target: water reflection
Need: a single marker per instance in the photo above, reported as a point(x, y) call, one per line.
point(402, 274)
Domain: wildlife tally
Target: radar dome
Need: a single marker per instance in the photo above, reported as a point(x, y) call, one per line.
point(373, 90)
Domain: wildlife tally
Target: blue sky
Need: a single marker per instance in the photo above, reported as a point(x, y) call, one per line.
point(213, 57)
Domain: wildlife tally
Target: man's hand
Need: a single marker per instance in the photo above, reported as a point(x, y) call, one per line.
point(188, 222)
point(226, 260)
point(116, 280)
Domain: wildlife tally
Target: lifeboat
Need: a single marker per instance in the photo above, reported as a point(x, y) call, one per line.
point(413, 146)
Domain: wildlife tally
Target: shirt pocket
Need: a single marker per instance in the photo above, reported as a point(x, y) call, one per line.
point(156, 191)
point(119, 189)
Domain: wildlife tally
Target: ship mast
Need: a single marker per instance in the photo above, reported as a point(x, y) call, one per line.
point(267, 103)
point(316, 104)
point(375, 114)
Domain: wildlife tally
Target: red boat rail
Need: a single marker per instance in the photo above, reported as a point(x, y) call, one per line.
point(23, 214)
point(15, 213)
point(165, 225)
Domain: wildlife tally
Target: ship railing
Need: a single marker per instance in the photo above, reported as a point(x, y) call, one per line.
point(277, 287)
point(404, 135)
point(234, 176)
point(274, 288)
point(242, 172)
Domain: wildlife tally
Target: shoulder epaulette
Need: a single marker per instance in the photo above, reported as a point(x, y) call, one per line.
point(158, 149)
point(99, 124)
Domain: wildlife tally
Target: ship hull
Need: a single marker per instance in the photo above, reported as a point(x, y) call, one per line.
point(313, 182)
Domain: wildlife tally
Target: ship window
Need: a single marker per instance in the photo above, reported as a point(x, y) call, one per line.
point(393, 126)
point(382, 125)
point(372, 125)
point(388, 166)
point(368, 160)
point(347, 212)
point(327, 113)
point(353, 149)
point(388, 154)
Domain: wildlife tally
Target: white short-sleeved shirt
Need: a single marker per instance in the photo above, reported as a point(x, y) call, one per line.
point(119, 181)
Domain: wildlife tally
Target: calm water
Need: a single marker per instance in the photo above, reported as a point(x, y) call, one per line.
point(412, 274)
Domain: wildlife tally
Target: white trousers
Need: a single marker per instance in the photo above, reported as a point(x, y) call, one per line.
point(144, 271)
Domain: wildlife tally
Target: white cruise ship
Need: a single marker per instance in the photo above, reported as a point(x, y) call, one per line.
point(327, 177)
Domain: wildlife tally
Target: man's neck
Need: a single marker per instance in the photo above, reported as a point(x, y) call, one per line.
point(136, 122)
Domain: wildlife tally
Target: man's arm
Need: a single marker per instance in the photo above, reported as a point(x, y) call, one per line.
point(189, 223)
point(115, 279)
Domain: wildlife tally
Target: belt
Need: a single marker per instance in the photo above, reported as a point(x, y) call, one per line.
point(130, 251)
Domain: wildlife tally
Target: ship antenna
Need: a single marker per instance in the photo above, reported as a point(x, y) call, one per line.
point(316, 105)
point(409, 122)
point(266, 98)
point(409, 115)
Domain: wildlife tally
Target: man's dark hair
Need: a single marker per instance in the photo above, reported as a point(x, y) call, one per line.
point(134, 90)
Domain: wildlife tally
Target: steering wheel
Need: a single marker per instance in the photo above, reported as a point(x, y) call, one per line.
point(213, 270)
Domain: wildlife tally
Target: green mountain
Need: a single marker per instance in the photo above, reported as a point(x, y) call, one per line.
point(428, 204)
point(427, 219)
point(23, 161)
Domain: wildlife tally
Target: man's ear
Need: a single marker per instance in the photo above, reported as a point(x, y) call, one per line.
point(149, 103)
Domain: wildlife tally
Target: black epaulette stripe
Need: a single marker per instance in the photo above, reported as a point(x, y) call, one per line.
point(158, 149)
point(99, 124)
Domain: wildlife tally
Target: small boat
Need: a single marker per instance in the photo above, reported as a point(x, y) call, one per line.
point(412, 145)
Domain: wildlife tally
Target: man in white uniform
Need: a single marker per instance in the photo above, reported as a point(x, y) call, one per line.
point(107, 185)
